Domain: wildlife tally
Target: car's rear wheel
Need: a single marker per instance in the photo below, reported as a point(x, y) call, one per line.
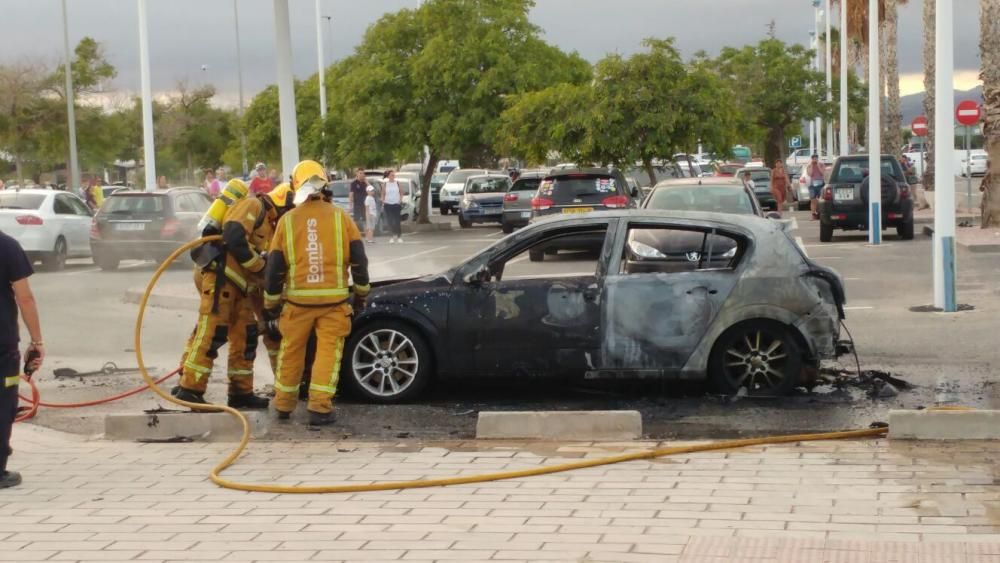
point(106, 262)
point(825, 232)
point(462, 222)
point(506, 227)
point(387, 362)
point(56, 260)
point(760, 356)
point(444, 210)
point(905, 231)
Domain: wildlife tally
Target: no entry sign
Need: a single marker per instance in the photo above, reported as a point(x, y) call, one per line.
point(967, 113)
point(919, 126)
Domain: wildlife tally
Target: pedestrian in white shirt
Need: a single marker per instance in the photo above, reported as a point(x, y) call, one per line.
point(392, 204)
point(371, 214)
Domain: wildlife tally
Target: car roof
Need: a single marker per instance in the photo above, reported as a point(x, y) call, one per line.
point(753, 169)
point(555, 173)
point(487, 176)
point(33, 191)
point(675, 182)
point(753, 223)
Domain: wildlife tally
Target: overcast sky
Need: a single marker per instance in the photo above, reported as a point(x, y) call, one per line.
point(187, 34)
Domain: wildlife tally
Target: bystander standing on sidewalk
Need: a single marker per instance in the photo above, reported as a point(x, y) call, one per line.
point(371, 215)
point(357, 196)
point(392, 204)
point(15, 293)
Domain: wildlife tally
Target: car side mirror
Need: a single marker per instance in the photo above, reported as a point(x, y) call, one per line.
point(772, 215)
point(479, 277)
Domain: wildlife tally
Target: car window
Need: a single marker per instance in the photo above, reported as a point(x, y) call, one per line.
point(564, 254)
point(79, 207)
point(525, 185)
point(62, 206)
point(578, 188)
point(718, 199)
point(761, 175)
point(856, 170)
point(340, 188)
point(201, 201)
point(668, 250)
point(459, 176)
point(185, 204)
point(15, 200)
point(488, 185)
point(135, 204)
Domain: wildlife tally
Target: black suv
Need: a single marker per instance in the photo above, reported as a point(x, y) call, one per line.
point(146, 225)
point(844, 201)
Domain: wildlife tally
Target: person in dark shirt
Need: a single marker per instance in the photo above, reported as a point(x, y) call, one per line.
point(15, 293)
point(359, 191)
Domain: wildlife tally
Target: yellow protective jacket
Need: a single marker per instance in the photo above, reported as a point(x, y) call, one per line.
point(247, 229)
point(314, 247)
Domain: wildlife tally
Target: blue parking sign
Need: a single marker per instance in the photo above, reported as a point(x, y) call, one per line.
point(795, 142)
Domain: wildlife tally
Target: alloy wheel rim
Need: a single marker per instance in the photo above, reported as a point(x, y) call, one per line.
point(385, 362)
point(756, 361)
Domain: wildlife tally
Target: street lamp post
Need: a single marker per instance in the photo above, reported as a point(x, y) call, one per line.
point(874, 134)
point(322, 76)
point(816, 24)
point(844, 143)
point(829, 77)
point(286, 88)
point(239, 78)
point(813, 43)
point(944, 160)
point(74, 166)
point(148, 149)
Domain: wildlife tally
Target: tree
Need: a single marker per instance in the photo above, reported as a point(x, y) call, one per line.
point(192, 131)
point(90, 70)
point(24, 112)
point(930, 19)
point(774, 88)
point(554, 119)
point(437, 77)
point(989, 52)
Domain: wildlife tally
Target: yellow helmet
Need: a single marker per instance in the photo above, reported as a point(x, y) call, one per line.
point(234, 191)
point(308, 171)
point(281, 196)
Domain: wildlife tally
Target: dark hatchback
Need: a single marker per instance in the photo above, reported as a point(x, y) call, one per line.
point(145, 225)
point(844, 201)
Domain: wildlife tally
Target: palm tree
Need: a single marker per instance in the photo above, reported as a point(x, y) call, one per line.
point(989, 73)
point(930, 13)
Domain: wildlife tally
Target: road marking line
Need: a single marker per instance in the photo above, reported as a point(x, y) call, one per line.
point(859, 308)
point(794, 225)
point(412, 256)
point(851, 279)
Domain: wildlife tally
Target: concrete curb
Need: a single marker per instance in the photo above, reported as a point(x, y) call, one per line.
point(202, 427)
point(977, 248)
point(179, 302)
point(560, 425)
point(412, 227)
point(932, 424)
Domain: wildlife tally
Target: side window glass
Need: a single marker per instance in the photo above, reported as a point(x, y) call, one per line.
point(200, 202)
point(62, 207)
point(185, 204)
point(671, 250)
point(573, 254)
point(78, 207)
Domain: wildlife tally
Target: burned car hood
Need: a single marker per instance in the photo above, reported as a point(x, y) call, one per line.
point(410, 284)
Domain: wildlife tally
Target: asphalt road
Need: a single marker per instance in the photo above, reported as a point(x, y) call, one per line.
point(946, 358)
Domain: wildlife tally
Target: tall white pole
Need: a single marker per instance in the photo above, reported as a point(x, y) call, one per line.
point(74, 166)
point(944, 158)
point(148, 149)
point(874, 134)
point(322, 73)
point(239, 78)
point(844, 143)
point(812, 122)
point(286, 88)
point(819, 120)
point(829, 78)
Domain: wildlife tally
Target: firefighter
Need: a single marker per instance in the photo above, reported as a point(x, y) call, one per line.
point(306, 288)
point(230, 274)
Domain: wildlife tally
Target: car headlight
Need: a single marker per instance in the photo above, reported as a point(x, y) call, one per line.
point(470, 204)
point(643, 250)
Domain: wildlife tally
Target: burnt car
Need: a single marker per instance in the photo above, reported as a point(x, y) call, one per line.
point(692, 296)
point(844, 202)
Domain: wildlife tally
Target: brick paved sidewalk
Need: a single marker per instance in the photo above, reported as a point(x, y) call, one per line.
point(864, 501)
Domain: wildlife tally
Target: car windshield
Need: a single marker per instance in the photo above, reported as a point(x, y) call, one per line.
point(578, 188)
point(125, 204)
point(857, 170)
point(719, 199)
point(979, 157)
point(14, 200)
point(761, 175)
point(728, 168)
point(526, 185)
point(487, 185)
point(340, 188)
point(460, 176)
point(438, 179)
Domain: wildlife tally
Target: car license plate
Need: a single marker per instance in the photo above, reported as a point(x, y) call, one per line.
point(577, 209)
point(843, 194)
point(130, 226)
point(525, 215)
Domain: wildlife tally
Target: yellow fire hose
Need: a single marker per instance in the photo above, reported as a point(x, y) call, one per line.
point(545, 470)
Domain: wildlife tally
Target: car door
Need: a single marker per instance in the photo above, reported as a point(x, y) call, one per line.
point(80, 227)
point(664, 288)
point(534, 318)
point(64, 219)
point(190, 208)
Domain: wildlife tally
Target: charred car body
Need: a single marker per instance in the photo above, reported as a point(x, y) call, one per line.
point(658, 294)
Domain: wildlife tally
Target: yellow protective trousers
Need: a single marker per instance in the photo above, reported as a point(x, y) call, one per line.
point(332, 324)
point(234, 323)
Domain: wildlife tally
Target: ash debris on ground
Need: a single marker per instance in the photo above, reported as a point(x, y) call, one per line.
point(877, 384)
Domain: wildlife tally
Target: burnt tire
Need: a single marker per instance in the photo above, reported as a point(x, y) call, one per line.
point(761, 356)
point(386, 362)
point(536, 255)
point(55, 261)
point(905, 231)
point(825, 232)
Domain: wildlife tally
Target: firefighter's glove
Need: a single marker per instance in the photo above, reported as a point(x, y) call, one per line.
point(271, 317)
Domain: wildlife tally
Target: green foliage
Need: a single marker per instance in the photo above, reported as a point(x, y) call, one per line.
point(89, 69)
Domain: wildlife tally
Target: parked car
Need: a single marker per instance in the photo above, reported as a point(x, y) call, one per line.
point(674, 295)
point(411, 198)
point(975, 166)
point(146, 225)
point(802, 157)
point(342, 195)
point(454, 187)
point(51, 226)
point(437, 180)
point(698, 194)
point(844, 201)
point(517, 202)
point(761, 185)
point(413, 177)
point(482, 199)
point(727, 169)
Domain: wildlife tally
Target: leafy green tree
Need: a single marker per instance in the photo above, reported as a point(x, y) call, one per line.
point(774, 88)
point(554, 119)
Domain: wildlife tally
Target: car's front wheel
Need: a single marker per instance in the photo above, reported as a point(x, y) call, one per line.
point(760, 356)
point(56, 260)
point(462, 222)
point(825, 232)
point(387, 362)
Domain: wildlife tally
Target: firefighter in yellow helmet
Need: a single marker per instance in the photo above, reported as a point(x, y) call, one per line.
point(226, 313)
point(315, 252)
